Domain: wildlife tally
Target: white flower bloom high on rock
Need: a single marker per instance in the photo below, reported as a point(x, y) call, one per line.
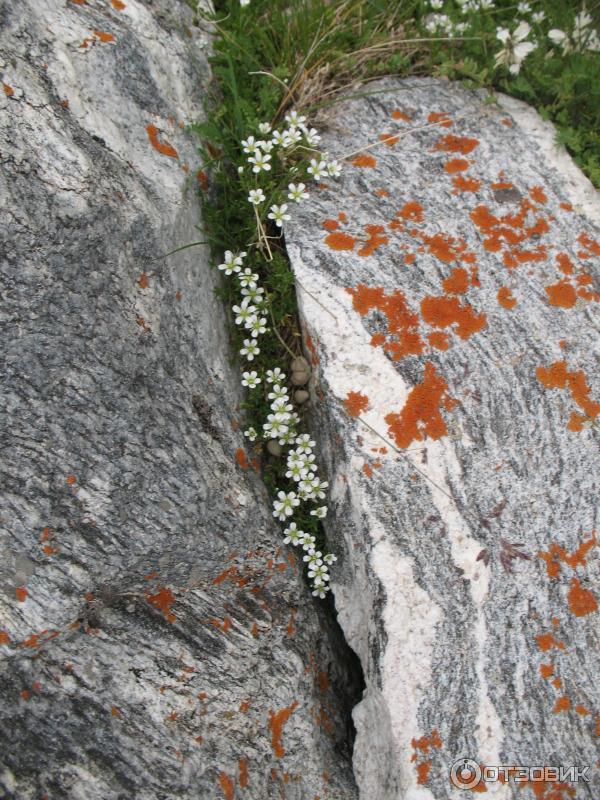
point(279, 214)
point(250, 349)
point(515, 49)
point(297, 192)
point(284, 506)
point(260, 161)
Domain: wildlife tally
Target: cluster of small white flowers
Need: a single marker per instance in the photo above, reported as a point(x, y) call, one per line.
point(582, 37)
point(282, 423)
point(515, 49)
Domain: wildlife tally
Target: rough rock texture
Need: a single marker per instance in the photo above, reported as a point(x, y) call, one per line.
point(155, 642)
point(449, 293)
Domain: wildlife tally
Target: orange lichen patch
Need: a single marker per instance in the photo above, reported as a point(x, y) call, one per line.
point(364, 160)
point(444, 246)
point(403, 324)
point(565, 264)
point(538, 194)
point(226, 785)
point(8, 90)
point(382, 193)
point(507, 121)
point(397, 114)
point(115, 712)
point(165, 148)
point(389, 139)
point(276, 722)
point(330, 224)
point(546, 641)
point(597, 726)
point(340, 241)
point(71, 479)
point(104, 37)
point(356, 403)
point(505, 297)
point(376, 238)
point(202, 179)
point(463, 184)
point(439, 340)
point(561, 294)
point(557, 683)
point(426, 742)
point(243, 768)
point(4, 637)
point(118, 5)
point(323, 681)
point(556, 376)
point(409, 259)
point(421, 414)
point(143, 281)
point(442, 312)
point(581, 601)
point(367, 470)
point(581, 710)
point(163, 600)
point(546, 670)
point(562, 704)
point(423, 769)
point(457, 282)
point(241, 458)
point(590, 246)
point(413, 210)
point(21, 593)
point(566, 206)
point(456, 144)
point(502, 185)
point(440, 117)
point(456, 165)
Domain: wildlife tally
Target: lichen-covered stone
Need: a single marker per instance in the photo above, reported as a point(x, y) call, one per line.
point(449, 289)
point(155, 639)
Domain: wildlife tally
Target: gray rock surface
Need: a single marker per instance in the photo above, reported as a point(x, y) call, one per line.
point(448, 285)
point(155, 641)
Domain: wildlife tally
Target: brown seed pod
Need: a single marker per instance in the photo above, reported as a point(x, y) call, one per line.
point(301, 396)
point(273, 447)
point(300, 364)
point(300, 378)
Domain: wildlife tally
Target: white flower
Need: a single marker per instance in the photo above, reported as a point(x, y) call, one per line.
point(292, 534)
point(296, 192)
point(249, 145)
point(436, 5)
point(287, 437)
point(307, 459)
point(582, 37)
point(231, 262)
point(256, 196)
point(260, 161)
point(275, 428)
point(277, 392)
point(250, 379)
point(320, 591)
point(257, 326)
point(515, 49)
point(304, 444)
point(311, 136)
point(334, 168)
point(294, 119)
point(484, 4)
point(294, 135)
point(318, 169)
point(266, 147)
point(280, 405)
point(319, 574)
point(251, 434)
point(307, 542)
point(244, 3)
point(275, 375)
point(523, 7)
point(244, 312)
point(329, 559)
point(318, 487)
point(313, 557)
point(253, 293)
point(538, 16)
point(250, 349)
point(278, 213)
point(247, 278)
point(264, 127)
point(320, 512)
point(284, 505)
point(296, 471)
point(240, 170)
point(281, 138)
